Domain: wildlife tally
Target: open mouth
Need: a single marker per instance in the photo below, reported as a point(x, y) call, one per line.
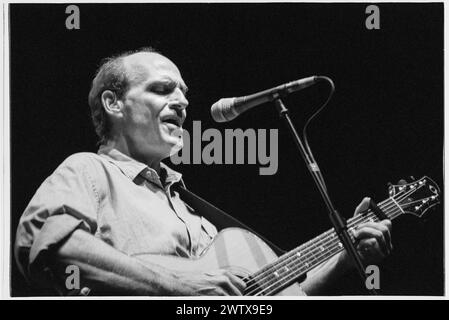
point(172, 120)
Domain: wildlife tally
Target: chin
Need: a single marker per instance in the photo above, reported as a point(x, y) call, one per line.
point(172, 146)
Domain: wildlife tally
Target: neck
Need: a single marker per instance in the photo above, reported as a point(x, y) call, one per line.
point(124, 146)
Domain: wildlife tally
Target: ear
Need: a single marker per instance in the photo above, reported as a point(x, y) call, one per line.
point(111, 104)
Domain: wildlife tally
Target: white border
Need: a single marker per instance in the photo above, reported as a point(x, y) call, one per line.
point(5, 167)
point(5, 160)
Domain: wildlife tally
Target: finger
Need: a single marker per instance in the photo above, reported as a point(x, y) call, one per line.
point(237, 282)
point(232, 289)
point(365, 244)
point(387, 233)
point(225, 283)
point(384, 227)
point(387, 223)
point(364, 205)
point(370, 250)
point(212, 291)
point(367, 232)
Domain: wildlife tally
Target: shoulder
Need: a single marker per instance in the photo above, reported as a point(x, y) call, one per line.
point(81, 158)
point(82, 161)
point(82, 166)
point(80, 172)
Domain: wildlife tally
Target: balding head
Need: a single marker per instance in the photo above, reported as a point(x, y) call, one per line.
point(139, 66)
point(116, 73)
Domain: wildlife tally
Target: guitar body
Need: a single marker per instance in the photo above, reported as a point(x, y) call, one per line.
point(233, 249)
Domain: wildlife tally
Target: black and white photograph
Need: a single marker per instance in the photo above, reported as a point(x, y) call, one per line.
point(226, 149)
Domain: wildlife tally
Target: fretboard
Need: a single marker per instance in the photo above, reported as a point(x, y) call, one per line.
point(292, 265)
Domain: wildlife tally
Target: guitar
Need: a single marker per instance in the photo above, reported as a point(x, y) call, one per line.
point(264, 273)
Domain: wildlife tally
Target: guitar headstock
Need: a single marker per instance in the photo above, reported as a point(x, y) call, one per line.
point(416, 197)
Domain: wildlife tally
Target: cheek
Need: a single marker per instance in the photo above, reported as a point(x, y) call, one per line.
point(142, 117)
point(143, 113)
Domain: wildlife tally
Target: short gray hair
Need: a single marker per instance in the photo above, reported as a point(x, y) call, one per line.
point(111, 75)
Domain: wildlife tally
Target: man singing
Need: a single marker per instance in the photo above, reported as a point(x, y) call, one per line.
point(109, 213)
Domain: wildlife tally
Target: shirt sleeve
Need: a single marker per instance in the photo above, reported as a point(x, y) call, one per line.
point(65, 201)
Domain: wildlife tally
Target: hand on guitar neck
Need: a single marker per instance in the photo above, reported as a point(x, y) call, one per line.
point(373, 239)
point(373, 243)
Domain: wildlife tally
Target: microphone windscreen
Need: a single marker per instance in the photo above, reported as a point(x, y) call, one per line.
point(221, 111)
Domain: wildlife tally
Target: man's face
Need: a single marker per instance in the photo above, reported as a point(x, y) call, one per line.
point(154, 106)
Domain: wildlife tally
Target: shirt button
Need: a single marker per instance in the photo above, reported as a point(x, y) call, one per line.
point(149, 176)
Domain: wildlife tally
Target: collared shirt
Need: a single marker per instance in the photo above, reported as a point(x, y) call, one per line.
point(116, 198)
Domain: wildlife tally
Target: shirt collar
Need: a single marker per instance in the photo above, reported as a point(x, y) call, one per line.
point(132, 168)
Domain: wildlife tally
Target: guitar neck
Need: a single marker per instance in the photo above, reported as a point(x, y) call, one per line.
point(292, 265)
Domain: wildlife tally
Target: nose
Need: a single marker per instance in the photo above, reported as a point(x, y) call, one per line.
point(180, 100)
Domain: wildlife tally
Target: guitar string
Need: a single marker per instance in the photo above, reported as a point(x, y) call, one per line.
point(317, 257)
point(329, 238)
point(270, 279)
point(325, 238)
point(325, 235)
point(334, 236)
point(286, 279)
point(311, 243)
point(276, 284)
point(330, 232)
point(269, 271)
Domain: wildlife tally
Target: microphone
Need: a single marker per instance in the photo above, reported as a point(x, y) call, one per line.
point(227, 109)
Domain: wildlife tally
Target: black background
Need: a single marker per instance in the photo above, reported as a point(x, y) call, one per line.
point(385, 121)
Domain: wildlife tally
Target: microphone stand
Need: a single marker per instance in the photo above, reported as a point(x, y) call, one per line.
point(336, 219)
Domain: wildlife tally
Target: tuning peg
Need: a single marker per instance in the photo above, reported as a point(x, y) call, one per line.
point(412, 178)
point(390, 189)
point(402, 182)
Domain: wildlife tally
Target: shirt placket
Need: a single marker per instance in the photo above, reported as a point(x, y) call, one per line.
point(153, 178)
